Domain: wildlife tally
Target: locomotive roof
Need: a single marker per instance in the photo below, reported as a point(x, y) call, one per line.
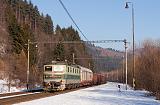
point(63, 63)
point(73, 65)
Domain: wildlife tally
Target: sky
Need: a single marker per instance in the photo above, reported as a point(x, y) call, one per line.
point(107, 19)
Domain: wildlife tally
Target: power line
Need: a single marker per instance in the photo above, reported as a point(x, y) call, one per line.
point(72, 19)
point(75, 23)
point(81, 41)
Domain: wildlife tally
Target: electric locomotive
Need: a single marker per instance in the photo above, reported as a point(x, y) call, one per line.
point(59, 76)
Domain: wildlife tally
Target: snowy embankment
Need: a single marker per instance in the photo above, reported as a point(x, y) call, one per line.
point(5, 89)
point(106, 94)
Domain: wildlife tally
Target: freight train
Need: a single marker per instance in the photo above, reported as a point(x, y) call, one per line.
point(61, 76)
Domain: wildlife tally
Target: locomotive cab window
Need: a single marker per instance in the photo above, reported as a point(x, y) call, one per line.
point(48, 68)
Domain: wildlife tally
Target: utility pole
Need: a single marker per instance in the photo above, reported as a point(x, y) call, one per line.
point(125, 43)
point(123, 73)
point(133, 38)
point(89, 65)
point(73, 58)
point(28, 66)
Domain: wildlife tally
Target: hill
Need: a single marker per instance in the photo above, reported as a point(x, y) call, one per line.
point(105, 59)
point(21, 21)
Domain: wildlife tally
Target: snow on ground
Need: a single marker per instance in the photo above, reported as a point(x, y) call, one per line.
point(4, 88)
point(106, 94)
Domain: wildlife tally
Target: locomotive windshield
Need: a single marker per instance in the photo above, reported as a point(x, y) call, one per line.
point(59, 67)
point(48, 68)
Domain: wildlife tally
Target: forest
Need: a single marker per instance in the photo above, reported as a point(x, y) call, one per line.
point(21, 21)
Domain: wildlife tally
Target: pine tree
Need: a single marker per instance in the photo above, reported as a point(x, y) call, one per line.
point(58, 30)
point(59, 52)
point(48, 25)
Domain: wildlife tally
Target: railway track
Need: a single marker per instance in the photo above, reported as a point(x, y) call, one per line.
point(13, 98)
point(10, 94)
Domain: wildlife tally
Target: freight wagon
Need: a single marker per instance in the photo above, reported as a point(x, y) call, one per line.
point(86, 76)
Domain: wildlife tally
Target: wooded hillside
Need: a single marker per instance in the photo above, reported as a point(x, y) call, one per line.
point(20, 20)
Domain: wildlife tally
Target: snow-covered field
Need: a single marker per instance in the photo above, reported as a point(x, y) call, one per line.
point(106, 94)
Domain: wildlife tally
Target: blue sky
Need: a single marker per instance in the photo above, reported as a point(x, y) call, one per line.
point(107, 19)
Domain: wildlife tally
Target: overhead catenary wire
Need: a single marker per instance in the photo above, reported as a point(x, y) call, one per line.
point(81, 41)
point(72, 19)
point(102, 41)
point(74, 22)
